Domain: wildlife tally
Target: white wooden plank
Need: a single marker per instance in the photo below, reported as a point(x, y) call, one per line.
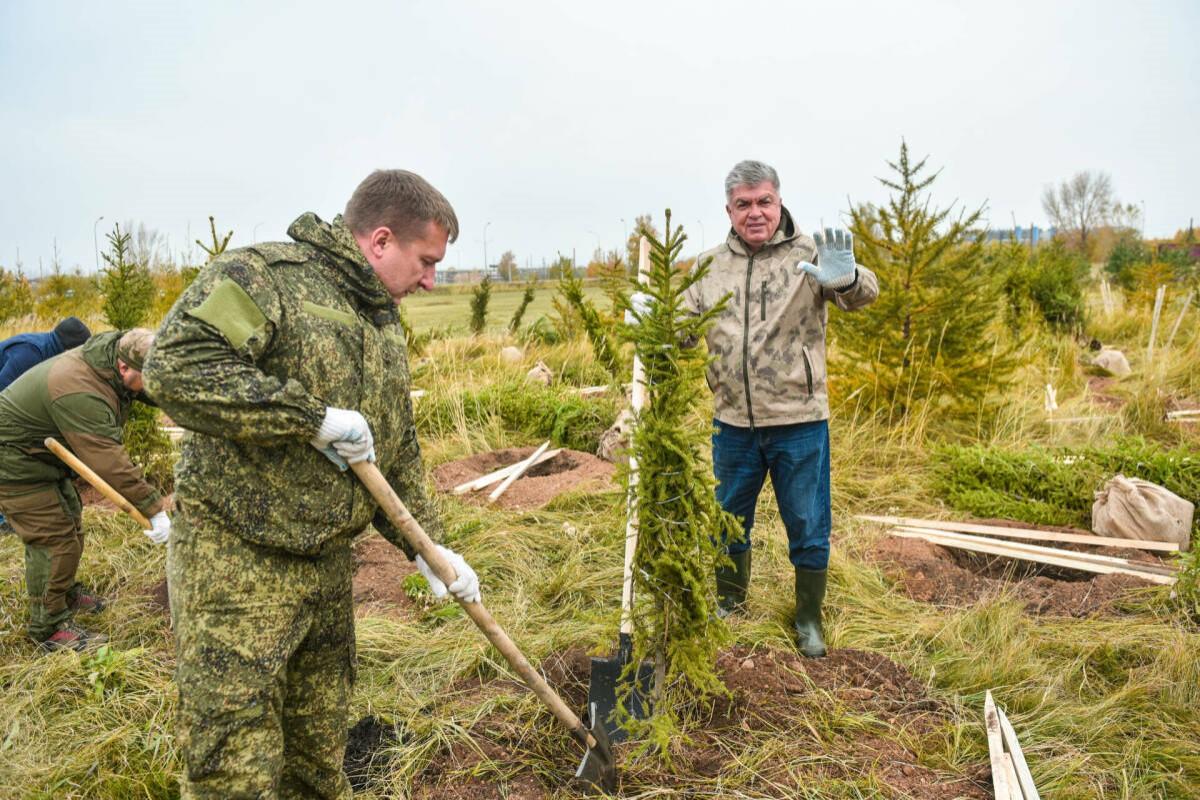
point(1024, 777)
point(521, 469)
point(484, 481)
point(1095, 558)
point(1024, 533)
point(1000, 550)
point(991, 723)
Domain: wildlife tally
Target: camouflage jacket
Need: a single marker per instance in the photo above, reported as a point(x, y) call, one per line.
point(77, 397)
point(769, 344)
point(248, 359)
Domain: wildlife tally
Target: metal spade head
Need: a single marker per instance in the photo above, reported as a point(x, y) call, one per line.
point(598, 770)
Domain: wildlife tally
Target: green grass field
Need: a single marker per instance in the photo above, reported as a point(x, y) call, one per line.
point(449, 307)
point(1106, 707)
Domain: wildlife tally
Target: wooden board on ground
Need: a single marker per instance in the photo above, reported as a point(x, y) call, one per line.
point(991, 722)
point(1094, 558)
point(1024, 777)
point(998, 549)
point(521, 469)
point(1024, 533)
point(484, 481)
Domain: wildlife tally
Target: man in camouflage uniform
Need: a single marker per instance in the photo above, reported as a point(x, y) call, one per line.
point(770, 402)
point(81, 398)
point(274, 350)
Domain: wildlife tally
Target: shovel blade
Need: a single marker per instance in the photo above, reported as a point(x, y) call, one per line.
point(605, 684)
point(597, 771)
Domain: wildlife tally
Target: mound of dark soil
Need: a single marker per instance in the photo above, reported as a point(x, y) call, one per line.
point(379, 571)
point(949, 577)
point(774, 695)
point(568, 470)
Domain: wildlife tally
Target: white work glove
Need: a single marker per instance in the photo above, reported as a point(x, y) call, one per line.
point(639, 302)
point(465, 588)
point(160, 528)
point(835, 268)
point(345, 438)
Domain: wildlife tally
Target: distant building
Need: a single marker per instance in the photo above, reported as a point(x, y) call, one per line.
point(1022, 235)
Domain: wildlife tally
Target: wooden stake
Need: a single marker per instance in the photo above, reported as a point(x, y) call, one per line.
point(1024, 533)
point(1158, 304)
point(1095, 558)
point(1175, 328)
point(521, 469)
point(1023, 776)
point(991, 722)
point(998, 549)
point(482, 482)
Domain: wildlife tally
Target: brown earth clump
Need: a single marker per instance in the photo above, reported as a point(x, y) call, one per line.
point(379, 572)
point(774, 698)
point(948, 577)
point(569, 470)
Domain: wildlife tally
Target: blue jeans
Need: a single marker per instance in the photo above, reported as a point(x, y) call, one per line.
point(797, 458)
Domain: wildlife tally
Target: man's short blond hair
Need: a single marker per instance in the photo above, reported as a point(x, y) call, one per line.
point(401, 201)
point(133, 346)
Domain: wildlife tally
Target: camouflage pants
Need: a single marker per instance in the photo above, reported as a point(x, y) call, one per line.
point(265, 665)
point(48, 518)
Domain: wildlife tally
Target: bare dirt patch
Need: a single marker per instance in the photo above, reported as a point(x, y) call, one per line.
point(569, 470)
point(379, 572)
point(948, 577)
point(1099, 390)
point(775, 695)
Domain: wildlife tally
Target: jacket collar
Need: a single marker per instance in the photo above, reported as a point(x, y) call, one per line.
point(786, 232)
point(100, 353)
point(336, 244)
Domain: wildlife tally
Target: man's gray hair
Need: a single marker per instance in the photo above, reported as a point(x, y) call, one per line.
point(750, 173)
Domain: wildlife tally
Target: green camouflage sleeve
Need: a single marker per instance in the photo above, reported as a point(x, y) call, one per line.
point(202, 368)
point(408, 479)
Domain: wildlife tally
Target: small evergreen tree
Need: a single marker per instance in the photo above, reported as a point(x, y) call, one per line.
point(127, 286)
point(1049, 281)
point(479, 304)
point(218, 244)
point(679, 519)
point(16, 295)
point(930, 336)
point(515, 323)
point(129, 293)
point(598, 330)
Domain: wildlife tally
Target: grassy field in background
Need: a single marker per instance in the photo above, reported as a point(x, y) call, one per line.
point(450, 306)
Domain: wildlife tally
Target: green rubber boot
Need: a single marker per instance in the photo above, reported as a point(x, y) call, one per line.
point(810, 593)
point(732, 584)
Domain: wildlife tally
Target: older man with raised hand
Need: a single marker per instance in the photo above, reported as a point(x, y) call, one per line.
point(770, 402)
point(81, 397)
point(282, 358)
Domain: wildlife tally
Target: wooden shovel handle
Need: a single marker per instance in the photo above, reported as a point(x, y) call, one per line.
point(393, 506)
point(89, 475)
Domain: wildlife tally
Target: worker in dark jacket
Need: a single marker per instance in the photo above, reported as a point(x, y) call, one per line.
point(19, 353)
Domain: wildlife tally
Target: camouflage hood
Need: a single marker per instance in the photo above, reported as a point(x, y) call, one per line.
point(100, 353)
point(336, 242)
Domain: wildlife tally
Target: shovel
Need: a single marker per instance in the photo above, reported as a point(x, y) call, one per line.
point(598, 770)
point(89, 475)
point(606, 672)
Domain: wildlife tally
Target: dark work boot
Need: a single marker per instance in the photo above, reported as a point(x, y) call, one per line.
point(732, 584)
point(810, 593)
point(70, 637)
point(84, 600)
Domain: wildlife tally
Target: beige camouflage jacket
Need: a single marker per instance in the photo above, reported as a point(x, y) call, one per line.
point(769, 344)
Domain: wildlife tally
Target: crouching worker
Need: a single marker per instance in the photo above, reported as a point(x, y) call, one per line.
point(287, 362)
point(81, 398)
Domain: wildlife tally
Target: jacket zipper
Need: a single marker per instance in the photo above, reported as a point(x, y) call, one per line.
point(808, 370)
point(746, 343)
point(762, 303)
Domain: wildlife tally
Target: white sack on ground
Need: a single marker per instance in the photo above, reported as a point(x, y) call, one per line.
point(1113, 362)
point(1131, 508)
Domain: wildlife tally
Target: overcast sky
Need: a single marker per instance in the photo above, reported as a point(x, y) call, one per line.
point(555, 121)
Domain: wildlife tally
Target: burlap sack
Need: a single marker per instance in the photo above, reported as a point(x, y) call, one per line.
point(1131, 508)
point(1113, 362)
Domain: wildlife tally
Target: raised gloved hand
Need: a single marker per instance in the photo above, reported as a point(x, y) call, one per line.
point(345, 438)
point(835, 267)
point(639, 302)
point(160, 528)
point(465, 588)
